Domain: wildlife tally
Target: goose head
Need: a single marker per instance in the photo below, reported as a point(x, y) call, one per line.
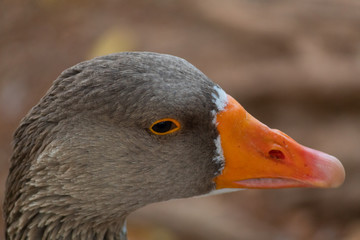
point(121, 131)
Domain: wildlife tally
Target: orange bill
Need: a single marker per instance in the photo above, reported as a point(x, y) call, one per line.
point(259, 157)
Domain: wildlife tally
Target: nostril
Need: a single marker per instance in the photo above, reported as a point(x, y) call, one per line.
point(276, 154)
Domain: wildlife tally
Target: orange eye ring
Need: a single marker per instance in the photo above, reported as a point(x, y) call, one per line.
point(165, 126)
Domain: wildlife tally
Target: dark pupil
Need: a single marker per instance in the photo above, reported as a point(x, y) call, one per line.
point(163, 127)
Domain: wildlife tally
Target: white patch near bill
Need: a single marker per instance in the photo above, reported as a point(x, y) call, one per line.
point(220, 99)
point(219, 158)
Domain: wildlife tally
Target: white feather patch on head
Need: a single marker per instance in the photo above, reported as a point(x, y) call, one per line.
point(219, 157)
point(219, 97)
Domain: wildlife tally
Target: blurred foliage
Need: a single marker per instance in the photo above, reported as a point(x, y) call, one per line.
point(113, 40)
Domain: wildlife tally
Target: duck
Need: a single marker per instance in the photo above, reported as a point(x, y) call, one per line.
point(125, 130)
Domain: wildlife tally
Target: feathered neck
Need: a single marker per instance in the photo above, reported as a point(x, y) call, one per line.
point(34, 226)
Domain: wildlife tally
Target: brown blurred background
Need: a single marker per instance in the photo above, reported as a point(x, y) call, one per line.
point(295, 65)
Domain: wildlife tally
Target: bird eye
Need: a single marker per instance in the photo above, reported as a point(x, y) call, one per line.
point(165, 126)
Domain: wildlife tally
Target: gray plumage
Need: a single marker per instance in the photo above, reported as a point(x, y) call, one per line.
point(84, 157)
